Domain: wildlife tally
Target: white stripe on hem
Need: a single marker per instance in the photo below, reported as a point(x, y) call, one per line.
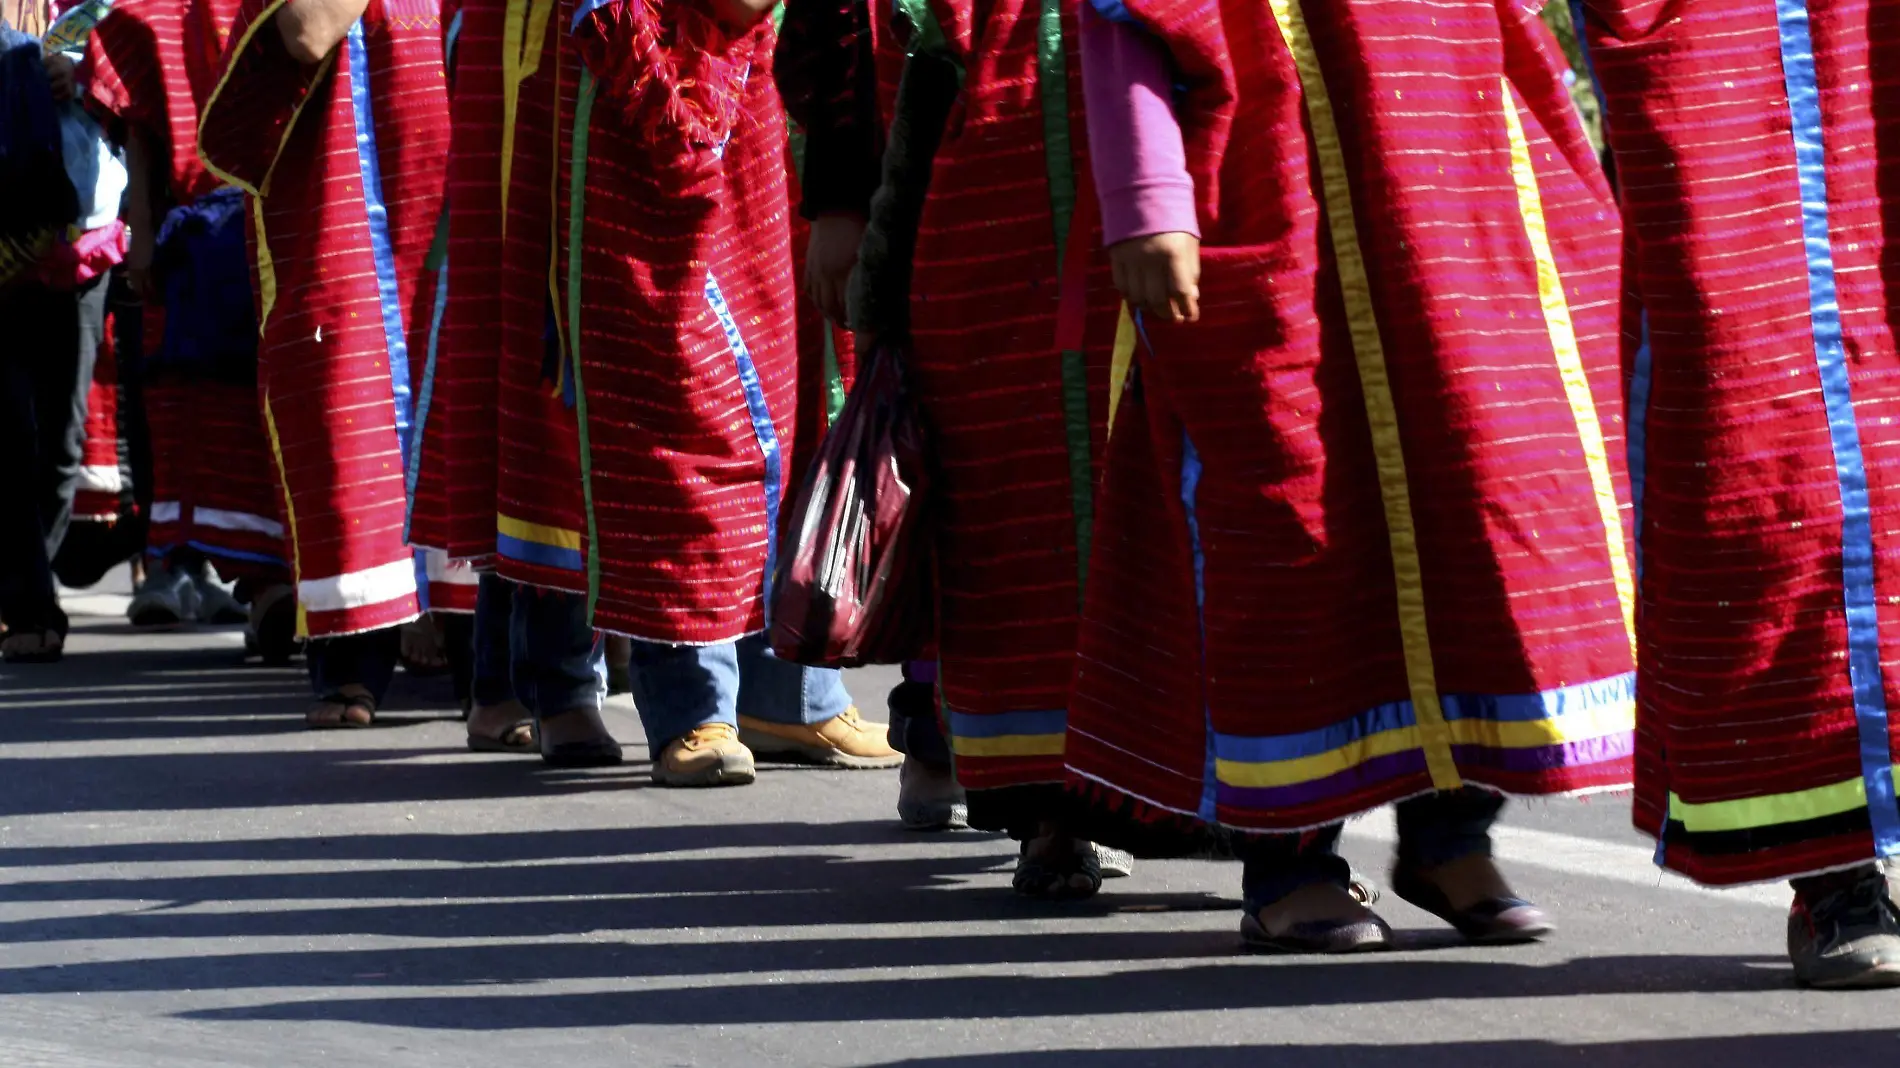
point(359, 589)
point(220, 519)
point(101, 478)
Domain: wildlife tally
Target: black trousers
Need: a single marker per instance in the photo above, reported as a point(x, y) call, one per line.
point(49, 341)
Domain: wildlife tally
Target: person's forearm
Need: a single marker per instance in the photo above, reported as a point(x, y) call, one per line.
point(1135, 142)
point(311, 29)
point(140, 213)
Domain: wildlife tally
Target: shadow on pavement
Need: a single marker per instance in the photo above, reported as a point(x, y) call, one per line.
point(1756, 1051)
point(158, 694)
point(543, 900)
point(1240, 983)
point(173, 781)
point(491, 847)
point(520, 962)
point(167, 696)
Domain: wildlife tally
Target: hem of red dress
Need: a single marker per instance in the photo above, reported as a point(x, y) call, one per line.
point(351, 630)
point(1113, 815)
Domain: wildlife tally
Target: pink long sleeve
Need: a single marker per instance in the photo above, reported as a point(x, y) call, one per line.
point(1139, 162)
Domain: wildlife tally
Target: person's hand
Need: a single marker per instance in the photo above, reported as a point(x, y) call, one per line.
point(60, 77)
point(138, 266)
point(1160, 275)
point(830, 256)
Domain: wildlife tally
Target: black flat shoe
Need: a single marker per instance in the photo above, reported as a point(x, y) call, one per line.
point(1498, 921)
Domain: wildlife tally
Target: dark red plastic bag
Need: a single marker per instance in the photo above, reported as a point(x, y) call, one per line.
point(856, 589)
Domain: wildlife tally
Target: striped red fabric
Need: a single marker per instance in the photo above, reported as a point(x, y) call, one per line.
point(541, 503)
point(213, 488)
point(686, 359)
point(990, 375)
point(342, 288)
point(1757, 147)
point(455, 491)
point(151, 64)
point(1363, 531)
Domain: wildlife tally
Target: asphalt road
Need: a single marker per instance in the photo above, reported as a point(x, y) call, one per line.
point(187, 878)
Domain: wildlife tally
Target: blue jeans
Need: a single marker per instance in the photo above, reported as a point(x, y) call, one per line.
point(367, 660)
point(680, 687)
point(1433, 830)
point(536, 646)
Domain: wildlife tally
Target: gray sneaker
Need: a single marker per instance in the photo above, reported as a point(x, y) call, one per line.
point(929, 799)
point(1116, 863)
point(1844, 932)
point(166, 598)
point(215, 602)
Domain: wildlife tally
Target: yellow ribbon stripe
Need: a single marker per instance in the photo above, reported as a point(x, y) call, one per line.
point(1010, 745)
point(1607, 721)
point(266, 268)
point(1749, 813)
point(1563, 339)
point(1120, 361)
point(524, 28)
point(267, 17)
point(538, 533)
point(1381, 411)
point(557, 249)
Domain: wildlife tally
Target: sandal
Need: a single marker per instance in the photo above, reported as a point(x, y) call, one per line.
point(1497, 921)
point(45, 646)
point(1361, 934)
point(349, 702)
point(1054, 879)
point(517, 737)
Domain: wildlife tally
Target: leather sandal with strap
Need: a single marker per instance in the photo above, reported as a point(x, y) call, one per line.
point(349, 703)
point(1053, 876)
point(32, 646)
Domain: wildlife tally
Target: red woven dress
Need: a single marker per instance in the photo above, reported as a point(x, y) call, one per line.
point(1013, 316)
point(344, 164)
point(1757, 145)
point(152, 64)
point(674, 301)
point(1363, 531)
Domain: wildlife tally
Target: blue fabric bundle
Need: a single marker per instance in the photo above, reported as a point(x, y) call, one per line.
point(204, 270)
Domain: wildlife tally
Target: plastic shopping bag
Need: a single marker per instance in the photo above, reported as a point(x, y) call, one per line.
point(857, 588)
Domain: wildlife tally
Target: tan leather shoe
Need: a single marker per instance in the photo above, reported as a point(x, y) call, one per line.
point(709, 755)
point(843, 741)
